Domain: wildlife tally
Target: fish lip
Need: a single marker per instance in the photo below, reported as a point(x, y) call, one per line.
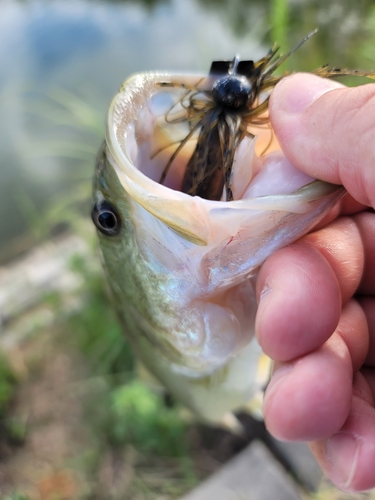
point(189, 216)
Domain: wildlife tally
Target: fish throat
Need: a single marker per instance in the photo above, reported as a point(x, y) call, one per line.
point(211, 165)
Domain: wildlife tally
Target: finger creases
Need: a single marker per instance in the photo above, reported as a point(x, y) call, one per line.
point(301, 288)
point(353, 330)
point(310, 398)
point(299, 302)
point(348, 244)
point(348, 456)
point(342, 246)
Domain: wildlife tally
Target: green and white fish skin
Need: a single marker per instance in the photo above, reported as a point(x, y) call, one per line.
point(182, 269)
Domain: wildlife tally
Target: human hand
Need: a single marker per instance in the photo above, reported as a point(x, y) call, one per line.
point(316, 315)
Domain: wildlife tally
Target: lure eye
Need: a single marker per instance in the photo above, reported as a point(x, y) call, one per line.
point(231, 91)
point(106, 218)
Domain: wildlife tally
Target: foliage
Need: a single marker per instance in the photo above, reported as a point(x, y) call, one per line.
point(97, 331)
point(139, 416)
point(341, 25)
point(14, 496)
point(8, 382)
point(13, 430)
point(279, 23)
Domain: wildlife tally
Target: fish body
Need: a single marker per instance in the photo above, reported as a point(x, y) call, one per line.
point(182, 268)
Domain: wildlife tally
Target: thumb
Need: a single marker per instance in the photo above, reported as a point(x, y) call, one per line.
point(328, 131)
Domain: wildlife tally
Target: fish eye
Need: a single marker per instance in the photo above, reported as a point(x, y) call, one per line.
point(231, 91)
point(106, 218)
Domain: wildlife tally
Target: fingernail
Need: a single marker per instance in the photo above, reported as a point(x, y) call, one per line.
point(262, 308)
point(297, 92)
point(270, 400)
point(266, 290)
point(342, 454)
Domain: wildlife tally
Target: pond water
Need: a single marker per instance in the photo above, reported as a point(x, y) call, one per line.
point(63, 60)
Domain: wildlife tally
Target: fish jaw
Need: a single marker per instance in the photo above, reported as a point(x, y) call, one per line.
point(182, 268)
point(157, 278)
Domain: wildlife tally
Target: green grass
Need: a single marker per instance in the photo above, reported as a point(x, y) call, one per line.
point(14, 496)
point(139, 417)
point(11, 429)
point(8, 383)
point(97, 332)
point(279, 21)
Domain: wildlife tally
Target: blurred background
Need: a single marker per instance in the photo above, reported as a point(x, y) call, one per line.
point(67, 377)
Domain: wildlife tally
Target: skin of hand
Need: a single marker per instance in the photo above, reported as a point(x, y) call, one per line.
point(316, 315)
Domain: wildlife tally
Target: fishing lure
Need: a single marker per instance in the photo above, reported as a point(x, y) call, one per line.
point(220, 117)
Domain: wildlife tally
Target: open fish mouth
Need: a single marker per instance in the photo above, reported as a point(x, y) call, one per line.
point(266, 190)
point(201, 253)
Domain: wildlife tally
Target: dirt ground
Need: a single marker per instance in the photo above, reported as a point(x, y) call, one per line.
point(57, 456)
point(47, 401)
point(60, 458)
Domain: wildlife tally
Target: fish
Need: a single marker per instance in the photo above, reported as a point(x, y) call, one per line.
point(181, 267)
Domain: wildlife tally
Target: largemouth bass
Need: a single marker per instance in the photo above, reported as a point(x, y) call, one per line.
point(182, 268)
